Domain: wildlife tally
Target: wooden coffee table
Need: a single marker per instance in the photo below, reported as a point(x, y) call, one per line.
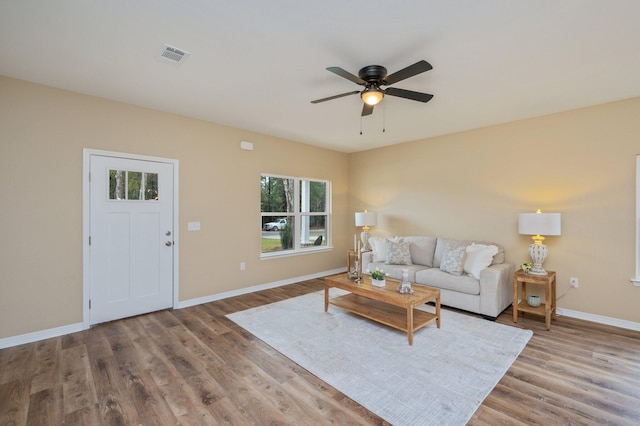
point(384, 304)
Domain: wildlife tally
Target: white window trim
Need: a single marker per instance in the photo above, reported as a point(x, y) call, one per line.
point(636, 280)
point(298, 215)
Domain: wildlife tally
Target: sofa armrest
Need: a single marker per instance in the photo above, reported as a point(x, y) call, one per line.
point(496, 288)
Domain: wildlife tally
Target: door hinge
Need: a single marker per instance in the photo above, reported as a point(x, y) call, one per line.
point(89, 303)
point(89, 240)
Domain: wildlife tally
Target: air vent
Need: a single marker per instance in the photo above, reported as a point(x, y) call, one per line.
point(173, 54)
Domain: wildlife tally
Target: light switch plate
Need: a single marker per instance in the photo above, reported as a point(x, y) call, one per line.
point(193, 226)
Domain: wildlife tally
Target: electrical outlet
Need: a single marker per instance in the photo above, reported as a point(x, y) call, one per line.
point(243, 266)
point(573, 282)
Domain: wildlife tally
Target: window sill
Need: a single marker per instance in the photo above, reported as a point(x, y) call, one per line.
point(290, 253)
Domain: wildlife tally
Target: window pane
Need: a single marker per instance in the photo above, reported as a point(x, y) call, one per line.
point(277, 233)
point(276, 194)
point(150, 186)
point(117, 184)
point(313, 196)
point(134, 183)
point(313, 231)
point(126, 185)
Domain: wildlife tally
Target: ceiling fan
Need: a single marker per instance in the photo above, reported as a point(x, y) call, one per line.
point(372, 77)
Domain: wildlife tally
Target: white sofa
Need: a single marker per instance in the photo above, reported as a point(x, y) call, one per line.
point(471, 276)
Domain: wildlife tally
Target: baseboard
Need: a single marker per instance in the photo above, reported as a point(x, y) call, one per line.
point(239, 292)
point(630, 325)
point(72, 328)
point(40, 335)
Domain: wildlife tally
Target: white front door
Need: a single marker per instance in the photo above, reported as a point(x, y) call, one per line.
point(131, 237)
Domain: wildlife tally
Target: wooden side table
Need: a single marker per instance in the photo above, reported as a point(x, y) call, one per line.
point(547, 309)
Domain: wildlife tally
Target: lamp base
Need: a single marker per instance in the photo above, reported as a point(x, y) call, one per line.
point(364, 237)
point(538, 253)
point(540, 271)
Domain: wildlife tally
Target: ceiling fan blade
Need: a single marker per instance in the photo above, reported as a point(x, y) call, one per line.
point(408, 94)
point(335, 97)
point(410, 71)
point(347, 75)
point(367, 109)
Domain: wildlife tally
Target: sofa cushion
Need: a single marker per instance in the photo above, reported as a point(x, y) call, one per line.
point(441, 246)
point(453, 260)
point(422, 249)
point(434, 277)
point(398, 253)
point(379, 247)
point(479, 256)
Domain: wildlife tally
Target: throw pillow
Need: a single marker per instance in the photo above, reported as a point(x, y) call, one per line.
point(453, 260)
point(379, 247)
point(421, 249)
point(398, 253)
point(479, 256)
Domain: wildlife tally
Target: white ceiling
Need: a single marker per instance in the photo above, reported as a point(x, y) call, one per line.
point(257, 64)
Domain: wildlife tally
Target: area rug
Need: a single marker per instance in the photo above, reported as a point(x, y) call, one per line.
point(441, 380)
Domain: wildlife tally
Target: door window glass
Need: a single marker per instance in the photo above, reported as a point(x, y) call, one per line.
point(132, 185)
point(150, 186)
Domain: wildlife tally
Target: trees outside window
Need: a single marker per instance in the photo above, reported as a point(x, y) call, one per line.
point(294, 213)
point(132, 185)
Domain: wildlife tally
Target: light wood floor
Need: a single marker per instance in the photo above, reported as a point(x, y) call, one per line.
point(193, 366)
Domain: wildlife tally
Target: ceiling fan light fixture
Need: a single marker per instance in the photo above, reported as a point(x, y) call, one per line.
point(372, 95)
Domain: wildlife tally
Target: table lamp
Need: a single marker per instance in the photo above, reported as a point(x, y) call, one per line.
point(365, 219)
point(538, 224)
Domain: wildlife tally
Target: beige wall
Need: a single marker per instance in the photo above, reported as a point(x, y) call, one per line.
point(465, 185)
point(43, 133)
point(473, 185)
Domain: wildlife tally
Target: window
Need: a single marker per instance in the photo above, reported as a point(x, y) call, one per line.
point(295, 214)
point(129, 185)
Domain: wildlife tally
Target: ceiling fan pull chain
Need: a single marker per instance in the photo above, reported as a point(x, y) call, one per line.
point(384, 119)
point(360, 125)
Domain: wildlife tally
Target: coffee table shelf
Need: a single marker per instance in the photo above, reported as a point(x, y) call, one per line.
point(381, 312)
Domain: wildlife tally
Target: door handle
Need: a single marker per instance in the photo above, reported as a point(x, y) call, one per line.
point(168, 243)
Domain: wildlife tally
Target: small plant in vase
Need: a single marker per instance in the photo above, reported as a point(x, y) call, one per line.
point(378, 277)
point(526, 267)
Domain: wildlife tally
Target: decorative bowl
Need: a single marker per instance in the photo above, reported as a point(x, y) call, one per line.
point(533, 301)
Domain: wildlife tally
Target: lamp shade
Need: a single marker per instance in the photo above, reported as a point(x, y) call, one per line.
point(366, 218)
point(539, 224)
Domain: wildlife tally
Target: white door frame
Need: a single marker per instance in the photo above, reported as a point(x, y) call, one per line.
point(86, 256)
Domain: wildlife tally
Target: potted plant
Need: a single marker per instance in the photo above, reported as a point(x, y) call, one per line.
point(526, 266)
point(378, 277)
